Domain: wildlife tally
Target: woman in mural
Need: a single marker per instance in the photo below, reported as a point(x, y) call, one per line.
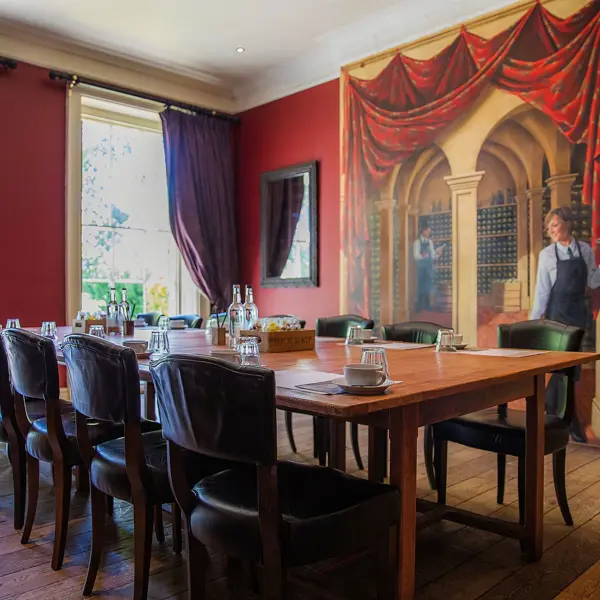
point(424, 254)
point(566, 268)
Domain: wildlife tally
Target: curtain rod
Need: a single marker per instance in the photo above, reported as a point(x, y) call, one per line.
point(74, 80)
point(8, 63)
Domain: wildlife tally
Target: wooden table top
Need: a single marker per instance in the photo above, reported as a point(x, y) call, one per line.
point(425, 374)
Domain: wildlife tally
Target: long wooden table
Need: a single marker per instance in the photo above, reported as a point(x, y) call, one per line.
point(436, 386)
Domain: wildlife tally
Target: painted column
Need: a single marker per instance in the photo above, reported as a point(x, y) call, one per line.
point(386, 206)
point(560, 189)
point(403, 263)
point(535, 196)
point(464, 256)
point(523, 247)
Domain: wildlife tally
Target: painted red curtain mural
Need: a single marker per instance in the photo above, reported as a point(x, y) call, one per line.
point(551, 63)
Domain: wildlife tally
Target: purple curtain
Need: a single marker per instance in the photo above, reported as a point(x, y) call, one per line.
point(285, 203)
point(200, 177)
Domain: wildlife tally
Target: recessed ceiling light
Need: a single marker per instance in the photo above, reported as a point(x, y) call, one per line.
point(239, 49)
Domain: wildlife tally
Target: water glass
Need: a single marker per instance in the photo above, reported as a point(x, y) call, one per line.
point(354, 336)
point(13, 324)
point(445, 341)
point(97, 330)
point(159, 342)
point(164, 323)
point(49, 329)
point(375, 356)
point(249, 351)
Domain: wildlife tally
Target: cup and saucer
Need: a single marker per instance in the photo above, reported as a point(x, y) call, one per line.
point(363, 379)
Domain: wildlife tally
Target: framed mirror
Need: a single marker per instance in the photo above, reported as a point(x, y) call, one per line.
point(288, 227)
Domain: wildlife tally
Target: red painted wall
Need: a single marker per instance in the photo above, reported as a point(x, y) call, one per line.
point(32, 196)
point(295, 129)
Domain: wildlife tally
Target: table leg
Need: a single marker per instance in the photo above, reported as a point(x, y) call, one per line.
point(534, 471)
point(404, 424)
point(337, 444)
point(149, 407)
point(377, 454)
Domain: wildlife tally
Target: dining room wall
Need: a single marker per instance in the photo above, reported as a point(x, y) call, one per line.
point(32, 196)
point(296, 129)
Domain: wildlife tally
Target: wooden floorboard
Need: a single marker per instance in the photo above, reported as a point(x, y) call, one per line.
point(454, 562)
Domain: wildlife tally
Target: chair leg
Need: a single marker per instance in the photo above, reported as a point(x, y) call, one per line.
point(428, 450)
point(142, 546)
point(323, 437)
point(63, 506)
point(197, 566)
point(501, 477)
point(19, 474)
point(559, 461)
point(110, 505)
point(33, 487)
point(316, 437)
point(99, 503)
point(290, 430)
point(176, 521)
point(82, 479)
point(440, 458)
point(521, 489)
point(159, 528)
point(356, 446)
point(273, 578)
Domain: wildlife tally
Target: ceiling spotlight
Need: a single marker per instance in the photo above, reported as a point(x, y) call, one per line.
point(239, 49)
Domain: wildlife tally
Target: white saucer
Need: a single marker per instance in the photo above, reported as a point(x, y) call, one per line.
point(370, 340)
point(362, 390)
point(460, 346)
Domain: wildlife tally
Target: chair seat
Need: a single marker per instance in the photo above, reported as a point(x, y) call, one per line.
point(109, 473)
point(487, 430)
point(325, 512)
point(38, 444)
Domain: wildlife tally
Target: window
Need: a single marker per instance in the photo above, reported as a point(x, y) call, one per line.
point(125, 235)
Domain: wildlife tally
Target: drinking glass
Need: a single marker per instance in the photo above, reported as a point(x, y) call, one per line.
point(354, 336)
point(375, 356)
point(49, 329)
point(164, 323)
point(249, 351)
point(159, 342)
point(13, 324)
point(97, 330)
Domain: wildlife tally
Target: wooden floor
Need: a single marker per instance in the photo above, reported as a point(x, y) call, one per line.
point(453, 562)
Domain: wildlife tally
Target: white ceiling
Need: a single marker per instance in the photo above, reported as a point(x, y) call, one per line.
point(290, 44)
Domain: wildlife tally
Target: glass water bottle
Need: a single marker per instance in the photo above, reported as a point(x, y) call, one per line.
point(250, 309)
point(235, 312)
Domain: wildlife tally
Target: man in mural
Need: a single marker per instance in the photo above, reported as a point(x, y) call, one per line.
point(566, 268)
point(424, 254)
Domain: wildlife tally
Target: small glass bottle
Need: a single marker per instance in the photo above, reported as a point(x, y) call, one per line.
point(112, 311)
point(123, 310)
point(250, 309)
point(235, 312)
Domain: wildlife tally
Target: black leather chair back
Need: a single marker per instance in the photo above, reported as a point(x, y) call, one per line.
point(104, 379)
point(151, 318)
point(542, 334)
point(216, 408)
point(338, 326)
point(7, 403)
point(32, 364)
point(301, 322)
point(192, 321)
point(417, 332)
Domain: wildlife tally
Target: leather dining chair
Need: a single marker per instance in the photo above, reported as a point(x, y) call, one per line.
point(273, 514)
point(105, 384)
point(33, 370)
point(415, 332)
point(337, 327)
point(191, 320)
point(150, 318)
point(502, 431)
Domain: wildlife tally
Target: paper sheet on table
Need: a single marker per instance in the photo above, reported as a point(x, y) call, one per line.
point(507, 352)
point(397, 346)
point(291, 378)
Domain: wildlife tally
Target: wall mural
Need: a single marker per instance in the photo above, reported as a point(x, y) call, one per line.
point(453, 159)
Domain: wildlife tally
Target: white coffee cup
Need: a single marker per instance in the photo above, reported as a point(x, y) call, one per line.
point(228, 354)
point(367, 334)
point(138, 346)
point(362, 374)
point(458, 339)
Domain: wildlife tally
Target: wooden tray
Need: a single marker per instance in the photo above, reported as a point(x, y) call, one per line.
point(283, 341)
